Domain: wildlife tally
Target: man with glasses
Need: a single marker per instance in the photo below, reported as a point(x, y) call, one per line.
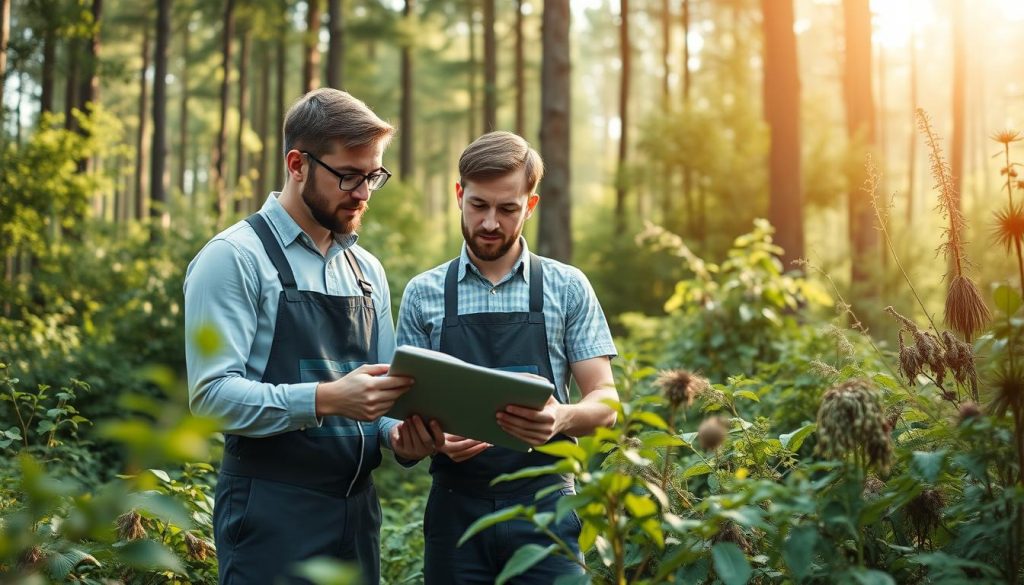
point(288, 334)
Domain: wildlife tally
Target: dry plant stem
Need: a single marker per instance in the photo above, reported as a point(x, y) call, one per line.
point(871, 186)
point(947, 192)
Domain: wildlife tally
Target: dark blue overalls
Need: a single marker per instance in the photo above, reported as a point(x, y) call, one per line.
point(305, 493)
point(461, 492)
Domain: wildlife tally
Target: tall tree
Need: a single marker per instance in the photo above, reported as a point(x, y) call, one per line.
point(860, 128)
point(243, 111)
point(555, 222)
point(490, 69)
point(912, 143)
point(141, 135)
point(281, 78)
point(472, 67)
point(956, 150)
point(49, 63)
point(157, 180)
point(311, 42)
point(183, 116)
point(686, 52)
point(336, 47)
point(626, 59)
point(221, 150)
point(666, 49)
point(5, 35)
point(405, 165)
point(263, 124)
point(520, 73)
point(782, 113)
point(90, 83)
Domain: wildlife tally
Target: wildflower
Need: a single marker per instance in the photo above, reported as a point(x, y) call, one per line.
point(1009, 228)
point(198, 548)
point(1005, 137)
point(924, 512)
point(966, 312)
point(680, 387)
point(129, 526)
point(851, 423)
point(843, 345)
point(968, 411)
point(712, 432)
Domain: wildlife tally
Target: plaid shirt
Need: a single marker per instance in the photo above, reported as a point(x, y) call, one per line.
point(575, 324)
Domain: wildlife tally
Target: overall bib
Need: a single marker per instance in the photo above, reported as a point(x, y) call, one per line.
point(304, 493)
point(461, 492)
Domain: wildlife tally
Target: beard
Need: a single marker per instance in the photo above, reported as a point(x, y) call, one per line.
point(333, 216)
point(488, 251)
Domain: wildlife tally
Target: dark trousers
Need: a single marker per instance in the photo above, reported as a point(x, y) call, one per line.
point(480, 559)
point(263, 528)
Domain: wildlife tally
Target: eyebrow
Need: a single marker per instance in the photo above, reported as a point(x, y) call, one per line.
point(351, 169)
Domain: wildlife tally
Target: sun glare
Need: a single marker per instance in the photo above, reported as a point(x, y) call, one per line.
point(895, 21)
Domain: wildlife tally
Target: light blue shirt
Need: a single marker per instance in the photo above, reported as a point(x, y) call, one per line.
point(573, 319)
point(232, 288)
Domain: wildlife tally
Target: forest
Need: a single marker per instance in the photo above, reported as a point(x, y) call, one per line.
point(804, 221)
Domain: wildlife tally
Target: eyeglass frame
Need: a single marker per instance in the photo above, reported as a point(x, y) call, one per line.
point(383, 172)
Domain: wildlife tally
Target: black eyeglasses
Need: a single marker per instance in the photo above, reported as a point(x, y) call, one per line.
point(351, 181)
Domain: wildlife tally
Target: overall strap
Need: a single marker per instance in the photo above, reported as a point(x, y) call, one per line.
point(364, 285)
point(536, 285)
point(274, 251)
point(451, 293)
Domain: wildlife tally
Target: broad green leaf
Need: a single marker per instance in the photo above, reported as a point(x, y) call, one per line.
point(564, 449)
point(605, 551)
point(563, 466)
point(148, 555)
point(1007, 299)
point(583, 579)
point(651, 419)
point(62, 563)
point(868, 576)
point(493, 518)
point(794, 440)
point(635, 458)
point(746, 394)
point(161, 475)
point(588, 535)
point(731, 565)
point(153, 504)
point(798, 550)
point(699, 468)
point(327, 571)
point(45, 426)
point(655, 440)
point(927, 465)
point(523, 559)
point(639, 507)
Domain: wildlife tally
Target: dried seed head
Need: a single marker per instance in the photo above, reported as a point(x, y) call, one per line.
point(1009, 391)
point(852, 425)
point(959, 359)
point(968, 411)
point(822, 369)
point(925, 512)
point(680, 387)
point(1009, 226)
point(129, 526)
point(198, 548)
point(966, 312)
point(730, 532)
point(712, 432)
point(1007, 136)
point(843, 345)
point(872, 486)
point(910, 361)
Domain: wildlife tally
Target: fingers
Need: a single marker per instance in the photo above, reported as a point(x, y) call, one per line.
point(471, 452)
point(436, 434)
point(540, 416)
point(372, 369)
point(533, 433)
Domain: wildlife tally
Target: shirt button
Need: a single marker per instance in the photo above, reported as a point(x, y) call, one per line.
point(494, 291)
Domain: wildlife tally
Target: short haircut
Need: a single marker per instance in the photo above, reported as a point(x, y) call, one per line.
point(496, 154)
point(325, 115)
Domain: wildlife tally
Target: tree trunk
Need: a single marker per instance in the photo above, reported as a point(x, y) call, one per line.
point(263, 125)
point(666, 48)
point(49, 66)
point(686, 52)
point(405, 166)
point(471, 4)
point(243, 113)
point(157, 183)
point(956, 150)
point(140, 139)
point(554, 234)
point(912, 143)
point(620, 175)
point(220, 148)
point(336, 48)
point(282, 77)
point(311, 41)
point(183, 116)
point(782, 114)
point(90, 82)
point(71, 83)
point(520, 73)
point(490, 69)
point(5, 35)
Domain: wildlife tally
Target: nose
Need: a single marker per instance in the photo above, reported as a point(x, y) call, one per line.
point(490, 221)
point(361, 193)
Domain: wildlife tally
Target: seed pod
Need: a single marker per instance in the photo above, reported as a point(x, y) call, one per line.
point(680, 387)
point(129, 526)
point(851, 422)
point(711, 433)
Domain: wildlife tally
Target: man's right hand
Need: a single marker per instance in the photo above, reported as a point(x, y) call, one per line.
point(460, 449)
point(363, 394)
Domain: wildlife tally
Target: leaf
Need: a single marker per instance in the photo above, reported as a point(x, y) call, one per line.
point(640, 507)
point(563, 449)
point(651, 419)
point(583, 579)
point(153, 504)
point(62, 563)
point(527, 556)
point(563, 466)
point(495, 518)
point(327, 571)
point(746, 394)
point(654, 440)
point(635, 458)
point(731, 565)
point(699, 468)
point(794, 440)
point(1007, 299)
point(45, 426)
point(148, 555)
point(927, 465)
point(161, 475)
point(798, 551)
point(588, 535)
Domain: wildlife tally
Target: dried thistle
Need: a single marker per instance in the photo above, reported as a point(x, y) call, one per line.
point(966, 312)
point(680, 387)
point(712, 432)
point(851, 424)
point(1009, 226)
point(730, 532)
point(872, 487)
point(1005, 137)
point(968, 410)
point(129, 526)
point(959, 359)
point(198, 548)
point(1009, 391)
point(949, 199)
point(925, 512)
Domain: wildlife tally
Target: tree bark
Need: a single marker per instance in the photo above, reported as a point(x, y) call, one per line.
point(860, 127)
point(183, 117)
point(71, 83)
point(956, 150)
point(49, 66)
point(243, 113)
point(141, 148)
point(472, 66)
point(281, 79)
point(263, 125)
point(5, 36)
point(90, 83)
point(520, 72)
point(220, 162)
point(336, 48)
point(554, 233)
point(782, 113)
point(407, 114)
point(666, 48)
point(311, 40)
point(490, 69)
point(620, 176)
point(157, 179)
point(686, 52)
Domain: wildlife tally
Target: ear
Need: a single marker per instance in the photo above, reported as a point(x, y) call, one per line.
point(459, 193)
point(294, 161)
point(531, 204)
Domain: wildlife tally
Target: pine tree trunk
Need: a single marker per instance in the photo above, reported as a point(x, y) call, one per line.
point(71, 83)
point(281, 79)
point(408, 103)
point(666, 49)
point(157, 176)
point(472, 66)
point(49, 66)
point(336, 48)
point(554, 232)
point(5, 35)
point(625, 58)
point(141, 148)
point(183, 117)
point(311, 40)
point(520, 73)
point(490, 69)
point(241, 165)
point(782, 114)
point(263, 125)
point(912, 143)
point(220, 148)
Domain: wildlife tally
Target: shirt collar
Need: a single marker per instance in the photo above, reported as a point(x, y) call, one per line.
point(287, 231)
point(521, 267)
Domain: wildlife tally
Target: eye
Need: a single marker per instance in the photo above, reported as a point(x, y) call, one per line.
point(509, 209)
point(478, 205)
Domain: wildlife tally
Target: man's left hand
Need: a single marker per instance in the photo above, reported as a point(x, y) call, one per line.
point(535, 427)
point(411, 440)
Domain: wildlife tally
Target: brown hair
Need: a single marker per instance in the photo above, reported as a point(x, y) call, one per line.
point(497, 154)
point(325, 115)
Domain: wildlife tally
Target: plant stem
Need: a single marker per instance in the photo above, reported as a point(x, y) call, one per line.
point(21, 422)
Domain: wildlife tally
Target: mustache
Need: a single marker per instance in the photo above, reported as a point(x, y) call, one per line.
point(484, 233)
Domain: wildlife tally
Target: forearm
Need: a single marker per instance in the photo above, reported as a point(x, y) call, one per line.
point(255, 409)
point(590, 413)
